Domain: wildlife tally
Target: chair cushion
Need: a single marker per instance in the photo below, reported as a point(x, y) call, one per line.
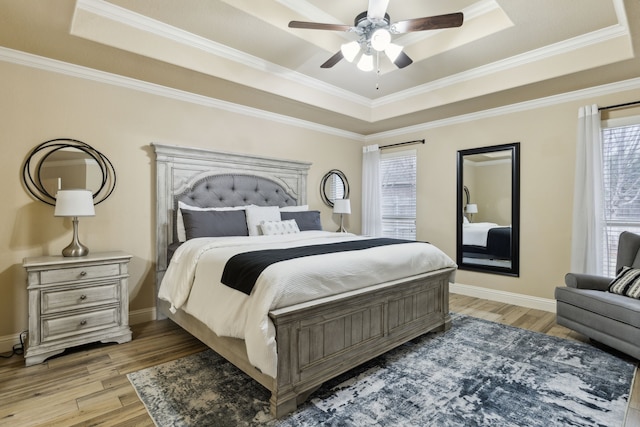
point(613, 306)
point(627, 283)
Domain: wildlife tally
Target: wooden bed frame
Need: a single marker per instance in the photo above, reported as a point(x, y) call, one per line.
point(316, 340)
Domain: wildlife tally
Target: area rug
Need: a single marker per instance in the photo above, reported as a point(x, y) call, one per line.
point(479, 373)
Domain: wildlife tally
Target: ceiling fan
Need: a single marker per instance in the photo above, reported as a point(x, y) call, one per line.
point(374, 29)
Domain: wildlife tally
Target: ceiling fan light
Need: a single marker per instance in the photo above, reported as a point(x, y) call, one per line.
point(366, 62)
point(380, 39)
point(350, 50)
point(392, 51)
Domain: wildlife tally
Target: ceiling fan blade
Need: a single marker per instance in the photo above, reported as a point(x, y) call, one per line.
point(429, 23)
point(333, 60)
point(319, 26)
point(403, 60)
point(377, 9)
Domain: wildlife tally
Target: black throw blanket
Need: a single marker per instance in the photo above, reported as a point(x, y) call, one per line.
point(242, 270)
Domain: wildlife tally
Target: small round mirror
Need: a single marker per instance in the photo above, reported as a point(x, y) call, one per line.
point(334, 185)
point(63, 164)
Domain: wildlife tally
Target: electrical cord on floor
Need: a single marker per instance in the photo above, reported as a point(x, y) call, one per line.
point(17, 348)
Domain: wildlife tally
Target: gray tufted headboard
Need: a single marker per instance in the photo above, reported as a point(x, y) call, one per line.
point(208, 178)
point(233, 190)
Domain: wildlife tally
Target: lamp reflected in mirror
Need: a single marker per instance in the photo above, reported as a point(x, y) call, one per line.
point(342, 207)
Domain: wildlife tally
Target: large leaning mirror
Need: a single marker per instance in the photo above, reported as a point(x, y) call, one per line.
point(65, 164)
point(488, 209)
point(334, 185)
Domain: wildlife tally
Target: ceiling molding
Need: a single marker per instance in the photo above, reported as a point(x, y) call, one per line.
point(583, 94)
point(561, 48)
point(60, 67)
point(72, 70)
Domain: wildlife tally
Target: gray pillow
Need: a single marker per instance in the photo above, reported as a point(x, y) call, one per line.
point(307, 220)
point(214, 223)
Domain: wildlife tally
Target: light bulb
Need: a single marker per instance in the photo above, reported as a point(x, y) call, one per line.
point(392, 51)
point(366, 62)
point(350, 50)
point(380, 39)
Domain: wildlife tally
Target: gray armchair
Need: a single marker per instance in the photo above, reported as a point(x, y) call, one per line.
point(585, 306)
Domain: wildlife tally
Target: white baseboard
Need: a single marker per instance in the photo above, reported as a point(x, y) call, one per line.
point(505, 297)
point(139, 316)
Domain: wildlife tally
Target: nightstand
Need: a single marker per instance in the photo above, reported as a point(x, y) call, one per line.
point(76, 300)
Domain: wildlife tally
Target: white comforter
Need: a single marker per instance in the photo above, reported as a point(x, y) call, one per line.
point(192, 281)
point(476, 233)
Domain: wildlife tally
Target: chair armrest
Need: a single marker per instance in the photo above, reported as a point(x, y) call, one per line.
point(587, 281)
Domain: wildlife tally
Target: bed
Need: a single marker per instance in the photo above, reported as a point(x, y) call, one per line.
point(486, 240)
point(313, 340)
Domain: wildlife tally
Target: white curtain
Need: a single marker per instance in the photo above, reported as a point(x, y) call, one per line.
point(586, 243)
point(371, 192)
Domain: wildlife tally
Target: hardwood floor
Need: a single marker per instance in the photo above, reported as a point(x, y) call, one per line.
point(88, 386)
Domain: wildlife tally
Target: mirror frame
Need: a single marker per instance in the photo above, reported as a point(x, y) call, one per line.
point(31, 170)
point(323, 194)
point(515, 210)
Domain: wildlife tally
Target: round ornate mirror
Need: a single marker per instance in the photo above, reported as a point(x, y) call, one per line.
point(63, 164)
point(334, 185)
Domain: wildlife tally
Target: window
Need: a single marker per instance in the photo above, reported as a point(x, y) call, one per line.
point(621, 170)
point(398, 180)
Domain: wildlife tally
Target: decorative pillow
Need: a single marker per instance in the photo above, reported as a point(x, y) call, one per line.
point(294, 208)
point(627, 283)
point(214, 223)
point(270, 228)
point(309, 220)
point(180, 222)
point(257, 214)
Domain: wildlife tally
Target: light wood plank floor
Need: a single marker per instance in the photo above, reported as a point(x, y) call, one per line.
point(89, 387)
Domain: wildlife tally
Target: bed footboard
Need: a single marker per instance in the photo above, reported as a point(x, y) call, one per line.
point(321, 339)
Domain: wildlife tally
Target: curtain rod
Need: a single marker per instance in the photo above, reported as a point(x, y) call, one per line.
point(611, 107)
point(417, 141)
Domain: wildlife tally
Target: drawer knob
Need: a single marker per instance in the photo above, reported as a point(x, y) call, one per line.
point(83, 297)
point(83, 322)
point(83, 273)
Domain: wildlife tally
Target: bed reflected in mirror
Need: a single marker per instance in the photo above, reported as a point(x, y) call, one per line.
point(488, 207)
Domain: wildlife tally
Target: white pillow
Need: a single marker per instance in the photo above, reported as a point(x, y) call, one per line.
point(294, 208)
point(270, 228)
point(257, 214)
point(182, 235)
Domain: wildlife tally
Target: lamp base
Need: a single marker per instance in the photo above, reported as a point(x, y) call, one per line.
point(341, 229)
point(75, 248)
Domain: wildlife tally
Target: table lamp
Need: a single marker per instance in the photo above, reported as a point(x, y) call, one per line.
point(74, 203)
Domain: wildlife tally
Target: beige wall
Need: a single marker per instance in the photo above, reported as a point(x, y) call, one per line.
point(37, 105)
point(548, 137)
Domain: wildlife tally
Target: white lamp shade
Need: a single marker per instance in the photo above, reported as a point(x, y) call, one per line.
point(380, 39)
point(350, 50)
point(365, 63)
point(342, 206)
point(392, 51)
point(471, 208)
point(74, 203)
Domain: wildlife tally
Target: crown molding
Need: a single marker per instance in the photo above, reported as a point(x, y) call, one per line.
point(553, 50)
point(143, 23)
point(589, 93)
point(55, 66)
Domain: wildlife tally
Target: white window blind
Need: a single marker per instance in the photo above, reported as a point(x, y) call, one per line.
point(621, 170)
point(398, 181)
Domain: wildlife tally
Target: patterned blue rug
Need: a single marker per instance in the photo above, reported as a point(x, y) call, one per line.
point(479, 373)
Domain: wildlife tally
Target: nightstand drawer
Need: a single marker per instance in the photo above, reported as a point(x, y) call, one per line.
point(81, 323)
point(53, 301)
point(78, 273)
